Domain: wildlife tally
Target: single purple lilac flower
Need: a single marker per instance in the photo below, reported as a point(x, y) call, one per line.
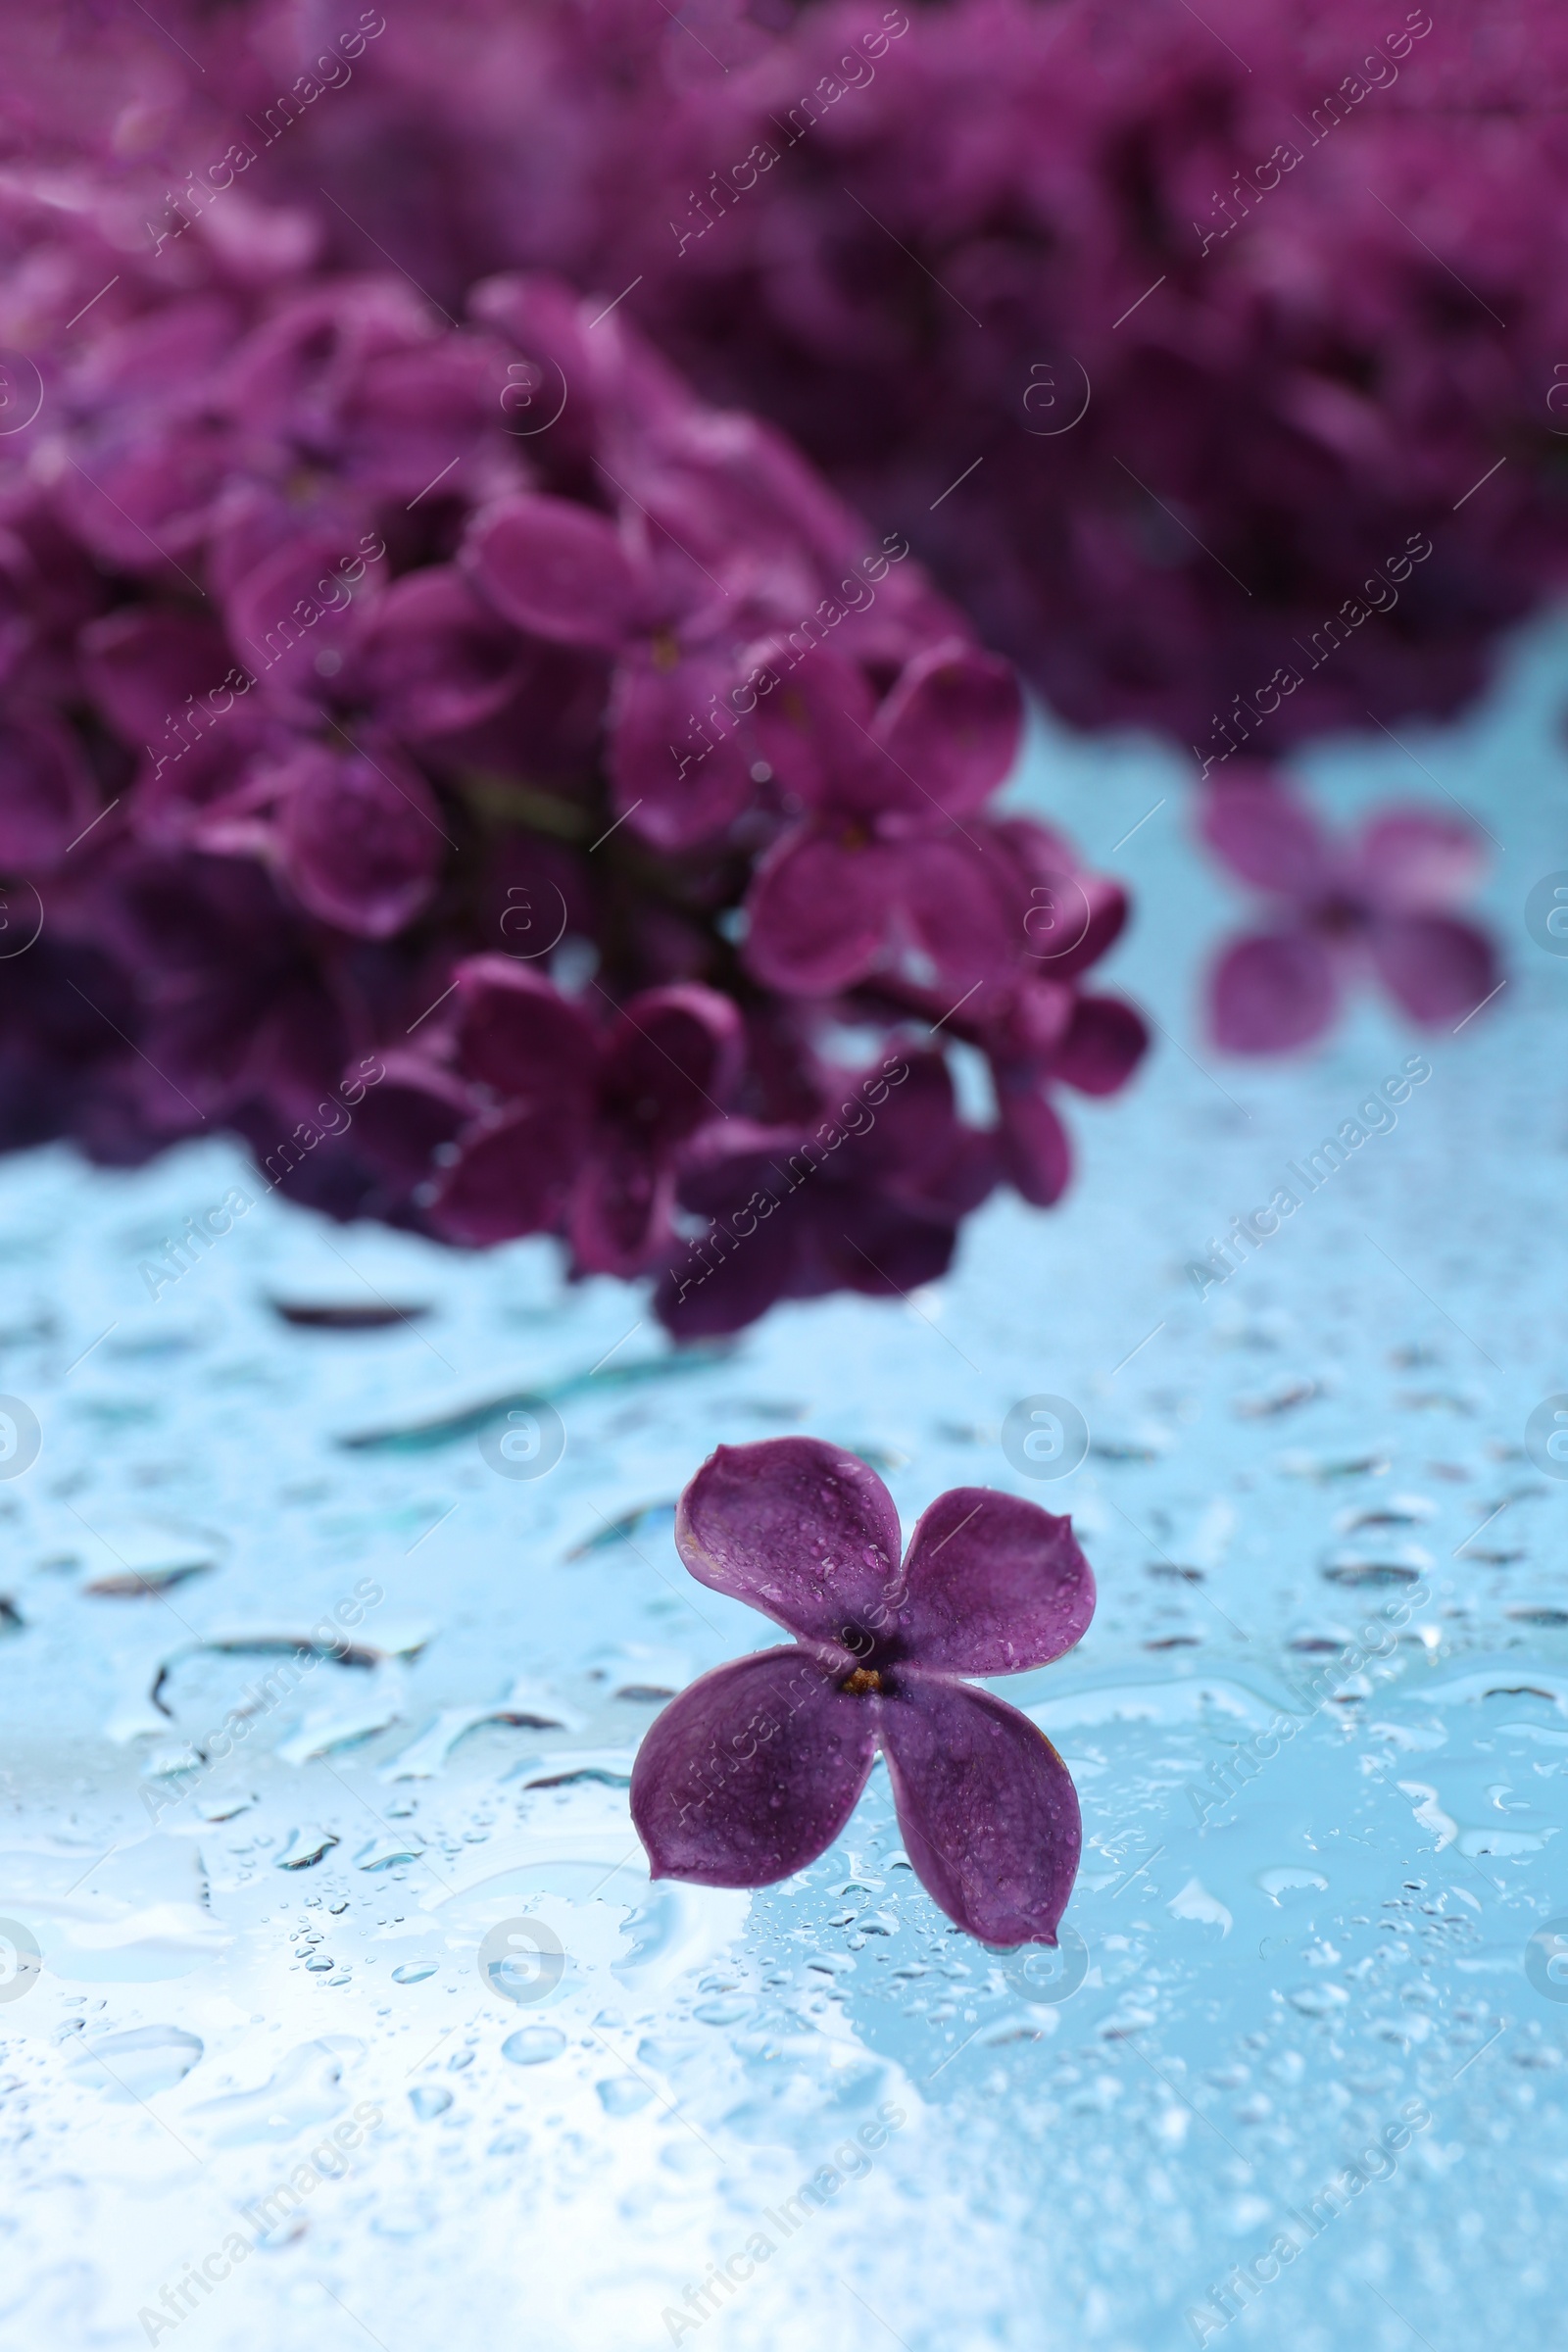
point(754, 1771)
point(884, 871)
point(869, 1199)
point(1380, 905)
point(580, 1123)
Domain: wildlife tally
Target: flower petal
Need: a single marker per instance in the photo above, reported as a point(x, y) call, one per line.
point(1103, 1046)
point(993, 1584)
point(753, 1772)
point(620, 1211)
point(1271, 992)
point(511, 1177)
point(435, 659)
point(293, 618)
point(517, 1033)
point(554, 569)
point(46, 793)
point(670, 1060)
point(986, 1807)
point(1034, 1151)
point(817, 912)
point(360, 839)
point(141, 663)
point(794, 1528)
point(1266, 836)
point(674, 786)
point(951, 726)
point(1435, 967)
point(1411, 859)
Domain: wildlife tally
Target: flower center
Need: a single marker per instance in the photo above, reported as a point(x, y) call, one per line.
point(863, 1679)
point(1339, 916)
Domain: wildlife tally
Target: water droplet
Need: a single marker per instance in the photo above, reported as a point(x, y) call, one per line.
point(307, 2088)
point(722, 2012)
point(305, 1848)
point(531, 2046)
point(623, 2096)
point(383, 1853)
point(414, 1972)
point(132, 2066)
point(429, 2100)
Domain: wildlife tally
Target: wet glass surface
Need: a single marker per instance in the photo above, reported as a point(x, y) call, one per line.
point(337, 2003)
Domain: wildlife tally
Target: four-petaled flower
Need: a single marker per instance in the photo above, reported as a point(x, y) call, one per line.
point(754, 1771)
point(1382, 903)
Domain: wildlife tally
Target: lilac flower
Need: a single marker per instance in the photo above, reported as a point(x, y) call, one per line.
point(885, 867)
point(755, 1768)
point(582, 1124)
point(321, 683)
point(868, 1198)
point(1379, 906)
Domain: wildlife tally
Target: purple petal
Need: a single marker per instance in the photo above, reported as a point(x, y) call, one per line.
point(817, 912)
point(1103, 1046)
point(46, 793)
point(511, 1175)
point(1036, 1154)
point(993, 1584)
point(860, 1238)
point(1412, 860)
point(621, 1212)
point(554, 569)
point(677, 782)
point(951, 726)
point(1267, 837)
point(986, 1807)
point(814, 728)
point(1272, 992)
point(402, 1119)
point(670, 1060)
point(951, 908)
point(409, 410)
point(794, 1528)
point(1435, 967)
point(360, 839)
point(435, 659)
point(1072, 916)
point(292, 620)
point(753, 1772)
point(141, 665)
point(516, 1032)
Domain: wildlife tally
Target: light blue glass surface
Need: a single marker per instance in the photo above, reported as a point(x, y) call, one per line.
point(1260, 1985)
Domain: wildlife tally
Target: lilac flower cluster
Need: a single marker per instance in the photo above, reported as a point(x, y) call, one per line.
point(1302, 255)
point(474, 696)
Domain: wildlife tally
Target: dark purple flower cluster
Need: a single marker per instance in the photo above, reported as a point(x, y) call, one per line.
point(473, 703)
point(1213, 310)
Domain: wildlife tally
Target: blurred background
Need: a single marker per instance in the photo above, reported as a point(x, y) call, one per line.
point(717, 721)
